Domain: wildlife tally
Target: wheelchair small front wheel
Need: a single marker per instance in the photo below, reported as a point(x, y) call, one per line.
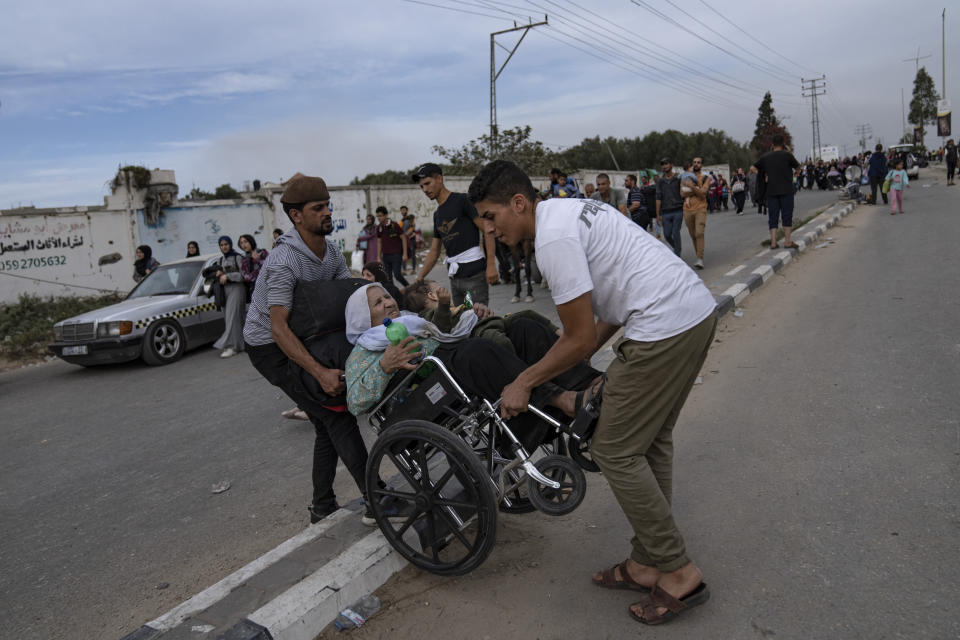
point(440, 513)
point(573, 486)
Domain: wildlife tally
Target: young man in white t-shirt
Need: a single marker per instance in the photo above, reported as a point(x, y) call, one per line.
point(598, 262)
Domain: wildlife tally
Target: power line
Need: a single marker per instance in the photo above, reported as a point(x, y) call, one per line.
point(659, 47)
point(620, 65)
point(615, 51)
point(657, 56)
point(663, 16)
point(666, 78)
point(440, 6)
point(726, 39)
point(749, 35)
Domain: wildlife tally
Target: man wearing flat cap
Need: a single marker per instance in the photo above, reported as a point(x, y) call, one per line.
point(458, 229)
point(304, 254)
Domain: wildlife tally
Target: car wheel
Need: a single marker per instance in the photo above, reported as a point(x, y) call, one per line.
point(163, 343)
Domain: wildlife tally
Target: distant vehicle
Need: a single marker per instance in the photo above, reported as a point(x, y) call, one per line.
point(911, 164)
point(166, 314)
point(830, 153)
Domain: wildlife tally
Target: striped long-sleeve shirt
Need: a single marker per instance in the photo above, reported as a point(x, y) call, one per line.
point(290, 262)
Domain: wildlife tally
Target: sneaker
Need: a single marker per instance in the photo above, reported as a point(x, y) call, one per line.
point(394, 509)
point(698, 264)
point(368, 518)
point(319, 513)
point(515, 299)
point(229, 352)
point(529, 298)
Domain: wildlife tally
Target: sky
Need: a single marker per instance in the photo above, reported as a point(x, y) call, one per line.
point(224, 91)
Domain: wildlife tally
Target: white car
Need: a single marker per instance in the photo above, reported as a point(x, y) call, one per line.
point(911, 164)
point(166, 314)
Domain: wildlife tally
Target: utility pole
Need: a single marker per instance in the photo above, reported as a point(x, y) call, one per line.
point(903, 110)
point(812, 91)
point(495, 73)
point(917, 58)
point(864, 132)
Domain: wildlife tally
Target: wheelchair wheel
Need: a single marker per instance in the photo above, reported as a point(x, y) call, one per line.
point(580, 452)
point(519, 500)
point(573, 486)
point(441, 511)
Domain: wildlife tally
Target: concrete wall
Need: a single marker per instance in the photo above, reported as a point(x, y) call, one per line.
point(205, 223)
point(59, 253)
point(350, 206)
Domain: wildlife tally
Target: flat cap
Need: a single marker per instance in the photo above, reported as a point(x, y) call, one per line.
point(302, 189)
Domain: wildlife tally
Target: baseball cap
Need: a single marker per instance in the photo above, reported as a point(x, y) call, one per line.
point(427, 171)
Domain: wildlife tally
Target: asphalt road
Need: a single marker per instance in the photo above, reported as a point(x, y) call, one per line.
point(107, 517)
point(816, 475)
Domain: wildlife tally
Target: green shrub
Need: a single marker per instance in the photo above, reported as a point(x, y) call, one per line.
point(27, 325)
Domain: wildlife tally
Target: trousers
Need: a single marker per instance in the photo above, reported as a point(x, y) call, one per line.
point(696, 222)
point(647, 385)
point(337, 433)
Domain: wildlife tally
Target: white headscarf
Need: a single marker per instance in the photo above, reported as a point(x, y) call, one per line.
point(360, 332)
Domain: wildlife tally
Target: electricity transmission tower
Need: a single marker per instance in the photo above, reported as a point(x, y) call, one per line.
point(495, 73)
point(864, 132)
point(812, 91)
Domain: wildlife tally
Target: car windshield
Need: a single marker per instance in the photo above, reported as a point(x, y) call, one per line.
point(172, 279)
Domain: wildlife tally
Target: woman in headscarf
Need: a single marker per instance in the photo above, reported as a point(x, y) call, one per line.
point(235, 294)
point(376, 272)
point(253, 259)
point(367, 240)
point(145, 264)
point(480, 366)
point(193, 249)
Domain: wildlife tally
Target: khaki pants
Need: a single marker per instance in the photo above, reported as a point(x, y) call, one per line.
point(697, 226)
point(646, 387)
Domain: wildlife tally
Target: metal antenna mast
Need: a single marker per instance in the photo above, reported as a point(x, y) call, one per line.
point(811, 91)
point(495, 73)
point(917, 58)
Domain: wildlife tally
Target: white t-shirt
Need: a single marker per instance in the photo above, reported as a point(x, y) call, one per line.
point(635, 280)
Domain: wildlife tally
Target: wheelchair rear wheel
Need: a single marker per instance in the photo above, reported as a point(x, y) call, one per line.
point(441, 514)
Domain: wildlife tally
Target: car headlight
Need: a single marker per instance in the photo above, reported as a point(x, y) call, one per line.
point(113, 329)
point(58, 332)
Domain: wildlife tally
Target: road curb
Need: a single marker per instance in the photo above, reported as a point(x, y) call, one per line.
point(291, 592)
point(738, 283)
point(303, 603)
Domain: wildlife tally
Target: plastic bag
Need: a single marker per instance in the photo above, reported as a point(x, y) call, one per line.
point(356, 261)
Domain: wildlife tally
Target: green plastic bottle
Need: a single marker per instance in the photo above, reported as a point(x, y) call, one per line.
point(468, 301)
point(396, 331)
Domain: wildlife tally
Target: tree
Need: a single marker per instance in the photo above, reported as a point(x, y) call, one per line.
point(714, 146)
point(768, 125)
point(923, 105)
point(225, 192)
point(515, 145)
point(390, 176)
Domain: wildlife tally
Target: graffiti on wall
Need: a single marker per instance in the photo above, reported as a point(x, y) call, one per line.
point(43, 243)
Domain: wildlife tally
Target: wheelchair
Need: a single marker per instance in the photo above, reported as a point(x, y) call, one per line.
point(454, 463)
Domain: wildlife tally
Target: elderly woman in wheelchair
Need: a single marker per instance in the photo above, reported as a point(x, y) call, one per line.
point(433, 401)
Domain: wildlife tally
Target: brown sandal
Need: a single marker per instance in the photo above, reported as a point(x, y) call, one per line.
point(774, 246)
point(791, 245)
point(608, 579)
point(660, 598)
